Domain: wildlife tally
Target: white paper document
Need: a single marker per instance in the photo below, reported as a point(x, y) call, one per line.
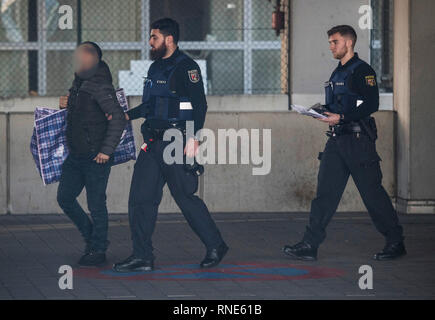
point(307, 112)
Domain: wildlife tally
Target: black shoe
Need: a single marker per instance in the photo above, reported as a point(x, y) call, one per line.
point(134, 264)
point(391, 251)
point(92, 259)
point(88, 249)
point(301, 251)
point(214, 256)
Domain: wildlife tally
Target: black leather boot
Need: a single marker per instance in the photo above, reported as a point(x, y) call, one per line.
point(134, 264)
point(391, 251)
point(214, 256)
point(92, 258)
point(301, 251)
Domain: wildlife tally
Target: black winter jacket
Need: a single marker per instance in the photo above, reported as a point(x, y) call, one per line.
point(92, 96)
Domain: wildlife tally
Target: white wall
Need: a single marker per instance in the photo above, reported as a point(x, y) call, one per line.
point(290, 186)
point(312, 62)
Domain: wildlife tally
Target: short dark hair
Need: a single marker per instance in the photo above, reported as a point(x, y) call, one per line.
point(92, 48)
point(168, 27)
point(344, 30)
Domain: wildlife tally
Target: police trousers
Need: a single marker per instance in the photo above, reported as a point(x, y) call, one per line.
point(150, 175)
point(356, 156)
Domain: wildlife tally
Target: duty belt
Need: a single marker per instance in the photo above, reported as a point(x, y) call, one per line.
point(342, 129)
point(157, 134)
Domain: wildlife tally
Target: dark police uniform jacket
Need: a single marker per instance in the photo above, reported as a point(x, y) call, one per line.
point(170, 84)
point(352, 90)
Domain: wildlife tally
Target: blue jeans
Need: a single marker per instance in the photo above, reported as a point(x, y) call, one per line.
point(78, 173)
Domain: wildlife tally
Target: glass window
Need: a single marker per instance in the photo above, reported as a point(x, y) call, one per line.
point(60, 72)
point(14, 82)
point(381, 46)
point(119, 60)
point(193, 16)
point(111, 20)
point(54, 33)
point(234, 37)
point(227, 18)
point(14, 21)
point(222, 77)
point(266, 71)
point(262, 21)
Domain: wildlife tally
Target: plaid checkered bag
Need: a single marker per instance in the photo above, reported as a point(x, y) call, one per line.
point(48, 144)
point(39, 113)
point(126, 149)
point(49, 147)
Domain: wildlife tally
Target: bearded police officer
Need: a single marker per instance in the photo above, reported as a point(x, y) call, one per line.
point(352, 95)
point(173, 94)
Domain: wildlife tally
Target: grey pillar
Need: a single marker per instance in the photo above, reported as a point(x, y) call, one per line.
point(414, 101)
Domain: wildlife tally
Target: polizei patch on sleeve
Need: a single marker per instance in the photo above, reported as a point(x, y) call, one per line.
point(193, 75)
point(371, 81)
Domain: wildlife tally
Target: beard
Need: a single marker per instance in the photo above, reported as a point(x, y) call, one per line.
point(158, 52)
point(340, 55)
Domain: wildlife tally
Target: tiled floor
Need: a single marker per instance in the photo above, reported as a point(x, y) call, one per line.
point(33, 247)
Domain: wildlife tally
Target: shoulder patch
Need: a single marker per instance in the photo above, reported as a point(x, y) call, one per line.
point(193, 75)
point(370, 81)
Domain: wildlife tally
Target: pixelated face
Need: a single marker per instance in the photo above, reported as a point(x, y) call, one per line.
point(339, 45)
point(158, 44)
point(84, 58)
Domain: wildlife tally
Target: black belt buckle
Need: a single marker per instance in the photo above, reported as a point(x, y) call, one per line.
point(179, 125)
point(356, 129)
point(339, 130)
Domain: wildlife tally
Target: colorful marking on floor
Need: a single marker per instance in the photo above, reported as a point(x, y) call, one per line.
point(224, 272)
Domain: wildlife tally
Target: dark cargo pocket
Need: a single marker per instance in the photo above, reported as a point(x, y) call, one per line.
point(190, 182)
point(369, 161)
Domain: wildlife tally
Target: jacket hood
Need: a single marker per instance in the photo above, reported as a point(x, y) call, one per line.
point(102, 73)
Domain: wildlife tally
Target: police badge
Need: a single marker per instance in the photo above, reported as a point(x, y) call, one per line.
point(371, 81)
point(193, 76)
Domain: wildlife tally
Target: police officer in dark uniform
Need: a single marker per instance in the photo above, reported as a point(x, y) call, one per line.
point(173, 94)
point(352, 95)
